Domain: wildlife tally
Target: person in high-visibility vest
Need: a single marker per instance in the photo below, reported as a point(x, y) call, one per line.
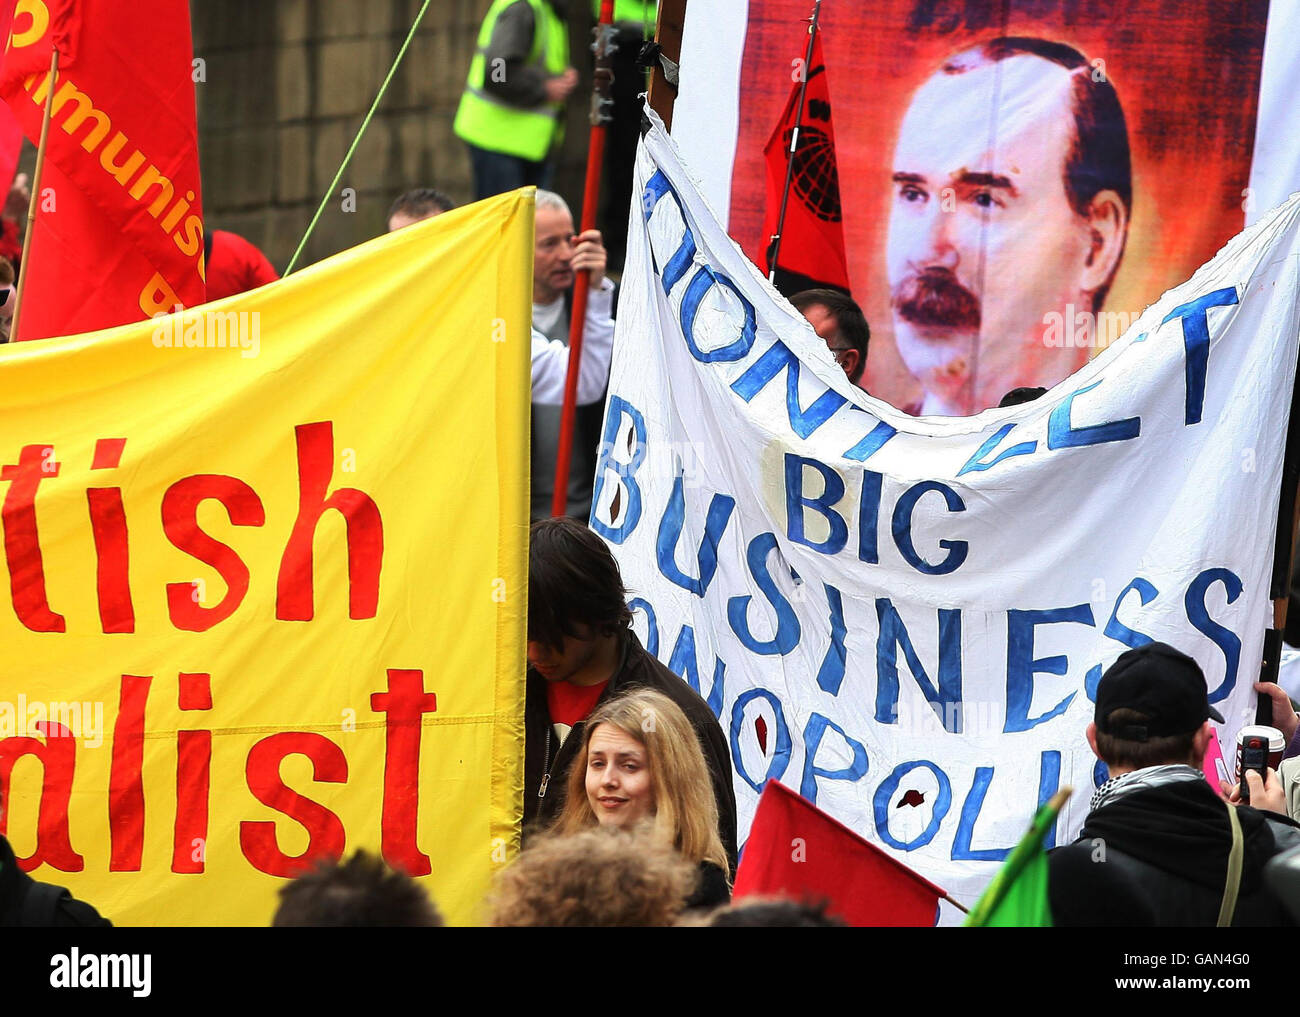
point(511, 111)
point(642, 14)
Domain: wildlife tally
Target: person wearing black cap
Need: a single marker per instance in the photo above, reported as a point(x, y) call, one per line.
point(1160, 846)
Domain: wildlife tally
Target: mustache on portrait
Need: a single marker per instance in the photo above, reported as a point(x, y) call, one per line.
point(935, 297)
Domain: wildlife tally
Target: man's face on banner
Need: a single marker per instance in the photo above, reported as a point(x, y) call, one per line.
point(983, 241)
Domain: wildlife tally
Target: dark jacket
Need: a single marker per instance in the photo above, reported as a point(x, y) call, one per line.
point(711, 889)
point(1159, 856)
point(26, 903)
point(637, 669)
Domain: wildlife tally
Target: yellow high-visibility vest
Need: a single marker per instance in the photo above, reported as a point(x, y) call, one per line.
point(639, 12)
point(487, 122)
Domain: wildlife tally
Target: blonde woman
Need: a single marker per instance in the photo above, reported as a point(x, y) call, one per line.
point(640, 762)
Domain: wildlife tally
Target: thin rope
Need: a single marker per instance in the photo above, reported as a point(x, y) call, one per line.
point(360, 131)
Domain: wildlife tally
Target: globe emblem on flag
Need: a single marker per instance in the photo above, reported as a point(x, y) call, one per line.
point(816, 179)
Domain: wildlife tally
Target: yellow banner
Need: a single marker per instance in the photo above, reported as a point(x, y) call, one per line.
point(267, 582)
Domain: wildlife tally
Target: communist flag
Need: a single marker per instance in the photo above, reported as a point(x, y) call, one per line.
point(795, 849)
point(119, 226)
point(812, 236)
point(11, 133)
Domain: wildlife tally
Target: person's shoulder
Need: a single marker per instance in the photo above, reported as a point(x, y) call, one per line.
point(78, 914)
point(1089, 885)
point(1285, 830)
point(711, 889)
point(520, 12)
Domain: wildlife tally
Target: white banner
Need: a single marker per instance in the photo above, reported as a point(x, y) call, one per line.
point(905, 618)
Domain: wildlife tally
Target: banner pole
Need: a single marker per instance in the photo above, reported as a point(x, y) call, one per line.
point(36, 193)
point(957, 904)
point(347, 158)
point(600, 116)
point(1288, 514)
point(668, 37)
point(775, 241)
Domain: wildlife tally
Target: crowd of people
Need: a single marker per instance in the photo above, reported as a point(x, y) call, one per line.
point(630, 816)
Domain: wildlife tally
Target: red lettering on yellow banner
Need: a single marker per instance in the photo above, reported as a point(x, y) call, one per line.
point(126, 776)
point(112, 559)
point(23, 542)
point(58, 756)
point(326, 837)
point(295, 596)
point(295, 600)
point(193, 778)
point(405, 704)
point(180, 522)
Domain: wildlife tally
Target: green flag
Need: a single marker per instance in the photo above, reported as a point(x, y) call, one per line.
point(1017, 896)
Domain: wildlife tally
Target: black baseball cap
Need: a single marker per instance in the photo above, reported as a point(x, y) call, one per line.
point(1165, 686)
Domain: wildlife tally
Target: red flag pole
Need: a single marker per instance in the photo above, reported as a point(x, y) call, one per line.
point(36, 192)
point(775, 240)
point(600, 103)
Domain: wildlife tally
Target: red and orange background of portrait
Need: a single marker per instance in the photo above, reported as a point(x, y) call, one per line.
point(1187, 76)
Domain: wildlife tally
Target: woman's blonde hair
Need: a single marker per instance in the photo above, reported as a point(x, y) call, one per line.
point(686, 814)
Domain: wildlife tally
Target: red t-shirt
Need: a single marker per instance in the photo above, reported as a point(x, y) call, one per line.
point(570, 704)
point(236, 266)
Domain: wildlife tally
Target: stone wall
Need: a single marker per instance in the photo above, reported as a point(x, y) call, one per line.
point(288, 83)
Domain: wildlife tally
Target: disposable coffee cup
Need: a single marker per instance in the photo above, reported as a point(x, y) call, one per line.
point(1276, 744)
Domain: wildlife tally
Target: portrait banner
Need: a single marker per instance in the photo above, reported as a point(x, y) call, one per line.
point(905, 619)
point(267, 586)
point(1018, 180)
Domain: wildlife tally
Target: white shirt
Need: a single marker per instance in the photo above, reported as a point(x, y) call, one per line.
point(551, 357)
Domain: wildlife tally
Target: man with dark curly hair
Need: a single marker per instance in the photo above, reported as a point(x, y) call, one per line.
point(583, 652)
point(362, 892)
point(604, 878)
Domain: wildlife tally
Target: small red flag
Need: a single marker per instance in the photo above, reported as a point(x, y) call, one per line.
point(796, 850)
point(119, 219)
point(812, 237)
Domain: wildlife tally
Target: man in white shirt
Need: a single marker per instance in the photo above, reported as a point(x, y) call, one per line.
point(558, 256)
point(550, 355)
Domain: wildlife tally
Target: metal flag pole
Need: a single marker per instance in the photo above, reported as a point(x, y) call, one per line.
point(775, 240)
point(600, 116)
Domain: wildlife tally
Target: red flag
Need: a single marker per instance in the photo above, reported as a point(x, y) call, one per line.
point(119, 227)
point(11, 132)
point(812, 237)
point(796, 850)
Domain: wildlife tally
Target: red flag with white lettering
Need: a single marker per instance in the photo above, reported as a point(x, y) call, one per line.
point(119, 227)
point(812, 236)
point(796, 850)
